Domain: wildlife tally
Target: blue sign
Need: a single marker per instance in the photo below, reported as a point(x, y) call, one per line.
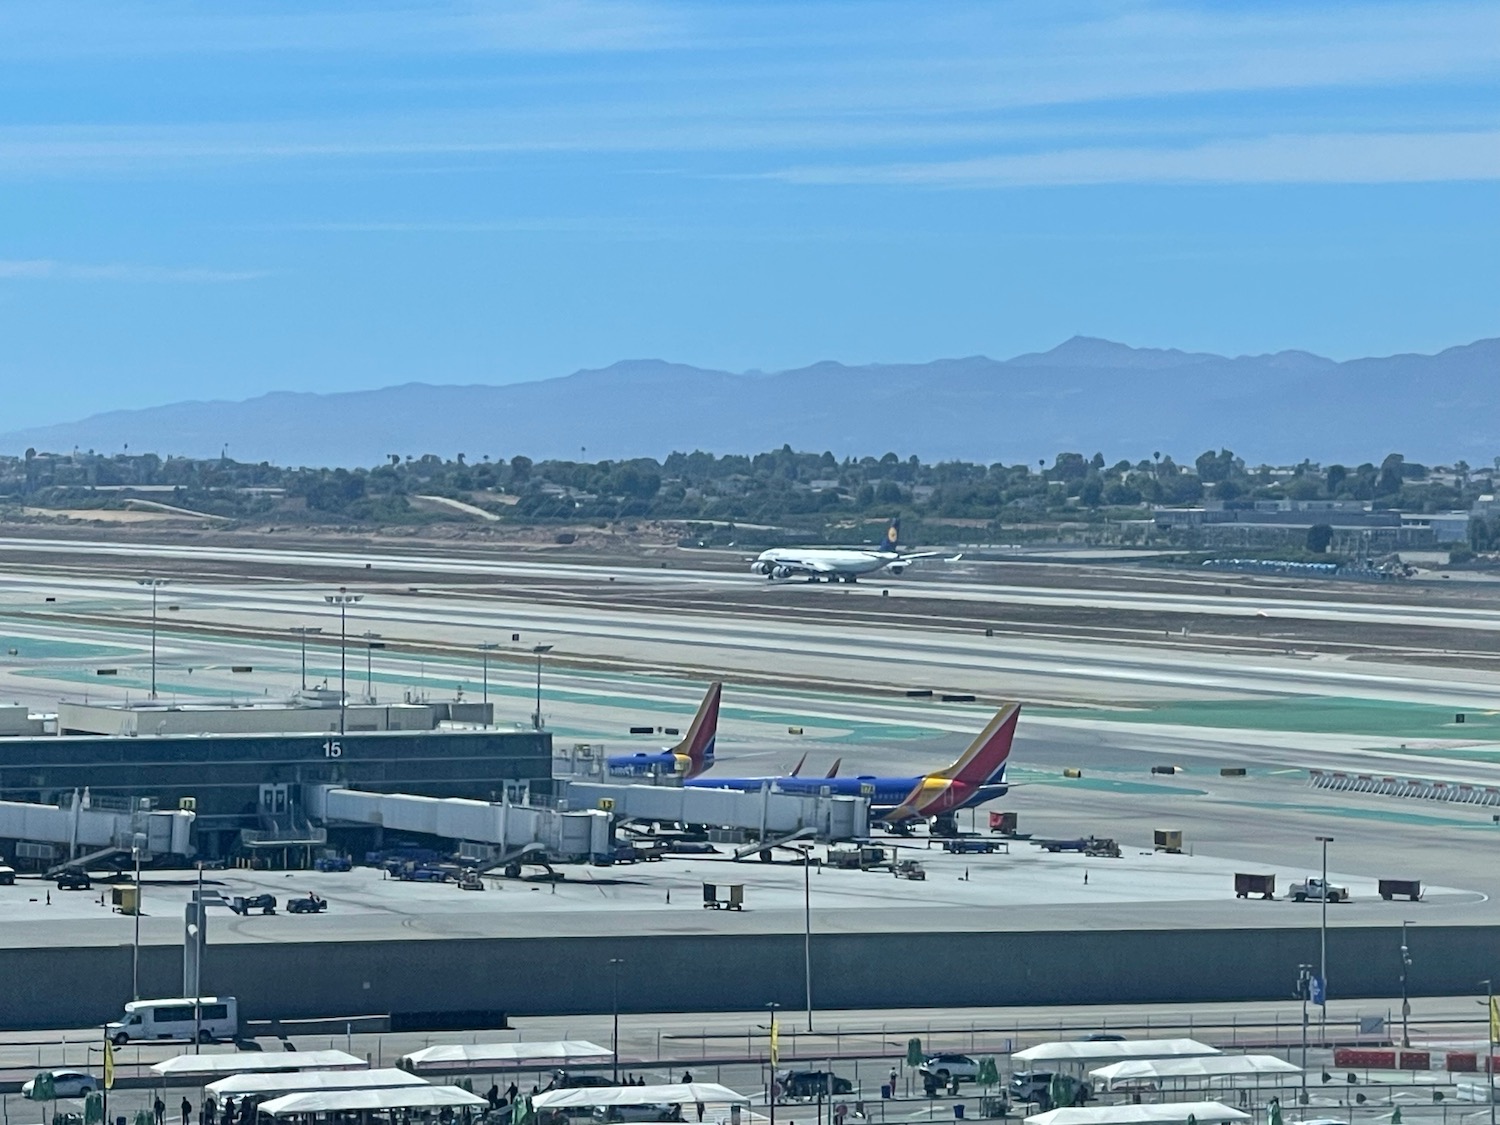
point(1317, 991)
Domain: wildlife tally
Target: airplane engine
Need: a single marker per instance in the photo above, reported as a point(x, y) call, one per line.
point(781, 572)
point(896, 568)
point(760, 568)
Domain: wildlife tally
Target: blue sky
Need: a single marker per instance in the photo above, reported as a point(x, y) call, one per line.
point(215, 201)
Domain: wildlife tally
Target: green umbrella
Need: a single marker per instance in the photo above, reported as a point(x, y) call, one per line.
point(1275, 1112)
point(43, 1087)
point(1396, 1116)
point(989, 1073)
point(93, 1108)
point(913, 1052)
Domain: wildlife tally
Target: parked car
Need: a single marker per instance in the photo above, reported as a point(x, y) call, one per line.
point(7, 876)
point(66, 1084)
point(563, 1080)
point(812, 1083)
point(656, 1111)
point(1036, 1086)
point(950, 1068)
point(74, 880)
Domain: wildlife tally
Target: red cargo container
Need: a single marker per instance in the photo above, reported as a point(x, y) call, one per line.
point(1461, 1062)
point(1361, 1058)
point(1416, 1060)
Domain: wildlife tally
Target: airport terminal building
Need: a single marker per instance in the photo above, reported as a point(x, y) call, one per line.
point(246, 786)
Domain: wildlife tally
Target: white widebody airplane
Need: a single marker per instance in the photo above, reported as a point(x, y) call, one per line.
point(840, 564)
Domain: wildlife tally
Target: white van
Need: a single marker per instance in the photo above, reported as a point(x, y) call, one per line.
point(217, 1017)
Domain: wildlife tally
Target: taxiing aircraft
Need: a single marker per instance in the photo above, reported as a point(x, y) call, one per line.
point(840, 564)
point(977, 776)
point(689, 758)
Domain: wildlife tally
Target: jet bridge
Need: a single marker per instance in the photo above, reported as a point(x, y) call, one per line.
point(768, 812)
point(562, 835)
point(88, 829)
point(581, 827)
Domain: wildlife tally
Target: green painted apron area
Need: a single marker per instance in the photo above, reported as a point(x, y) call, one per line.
point(36, 648)
point(1303, 714)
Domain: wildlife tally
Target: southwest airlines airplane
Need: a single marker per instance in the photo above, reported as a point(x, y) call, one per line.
point(690, 757)
point(839, 564)
point(977, 776)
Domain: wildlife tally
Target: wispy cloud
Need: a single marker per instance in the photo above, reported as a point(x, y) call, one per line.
point(1350, 158)
point(46, 269)
point(36, 30)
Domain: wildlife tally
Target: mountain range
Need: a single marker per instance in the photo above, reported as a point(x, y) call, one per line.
point(1085, 395)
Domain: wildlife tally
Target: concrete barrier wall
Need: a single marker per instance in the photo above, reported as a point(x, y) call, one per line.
point(60, 987)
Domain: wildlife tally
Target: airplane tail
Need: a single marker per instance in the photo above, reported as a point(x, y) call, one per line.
point(698, 744)
point(985, 759)
point(797, 769)
point(892, 541)
point(833, 770)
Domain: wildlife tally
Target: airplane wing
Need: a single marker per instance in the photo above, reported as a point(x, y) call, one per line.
point(908, 556)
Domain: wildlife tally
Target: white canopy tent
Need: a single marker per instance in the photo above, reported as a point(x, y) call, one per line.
point(255, 1062)
point(1114, 1050)
point(1210, 1067)
point(506, 1056)
point(357, 1101)
point(669, 1093)
point(274, 1085)
point(1168, 1113)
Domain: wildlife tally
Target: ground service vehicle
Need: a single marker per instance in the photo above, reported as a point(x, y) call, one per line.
point(1405, 888)
point(1316, 891)
point(1088, 845)
point(950, 1068)
point(1246, 884)
point(217, 1017)
point(66, 1084)
point(245, 904)
point(309, 904)
point(812, 1084)
point(970, 845)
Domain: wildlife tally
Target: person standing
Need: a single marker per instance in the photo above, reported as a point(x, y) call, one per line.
point(159, 1109)
point(187, 1109)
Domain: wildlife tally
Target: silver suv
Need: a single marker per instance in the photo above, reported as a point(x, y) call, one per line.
point(950, 1068)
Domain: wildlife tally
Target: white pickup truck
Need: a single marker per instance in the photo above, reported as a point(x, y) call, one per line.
point(1315, 890)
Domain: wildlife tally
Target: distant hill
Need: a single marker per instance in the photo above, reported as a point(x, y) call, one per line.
point(1085, 395)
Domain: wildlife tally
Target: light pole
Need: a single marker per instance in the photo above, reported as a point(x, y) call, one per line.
point(302, 631)
point(615, 963)
point(137, 841)
point(807, 930)
point(485, 648)
point(343, 599)
point(369, 639)
point(1489, 1035)
point(155, 584)
point(1323, 944)
point(1405, 969)
point(775, 1056)
point(1304, 981)
point(536, 716)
